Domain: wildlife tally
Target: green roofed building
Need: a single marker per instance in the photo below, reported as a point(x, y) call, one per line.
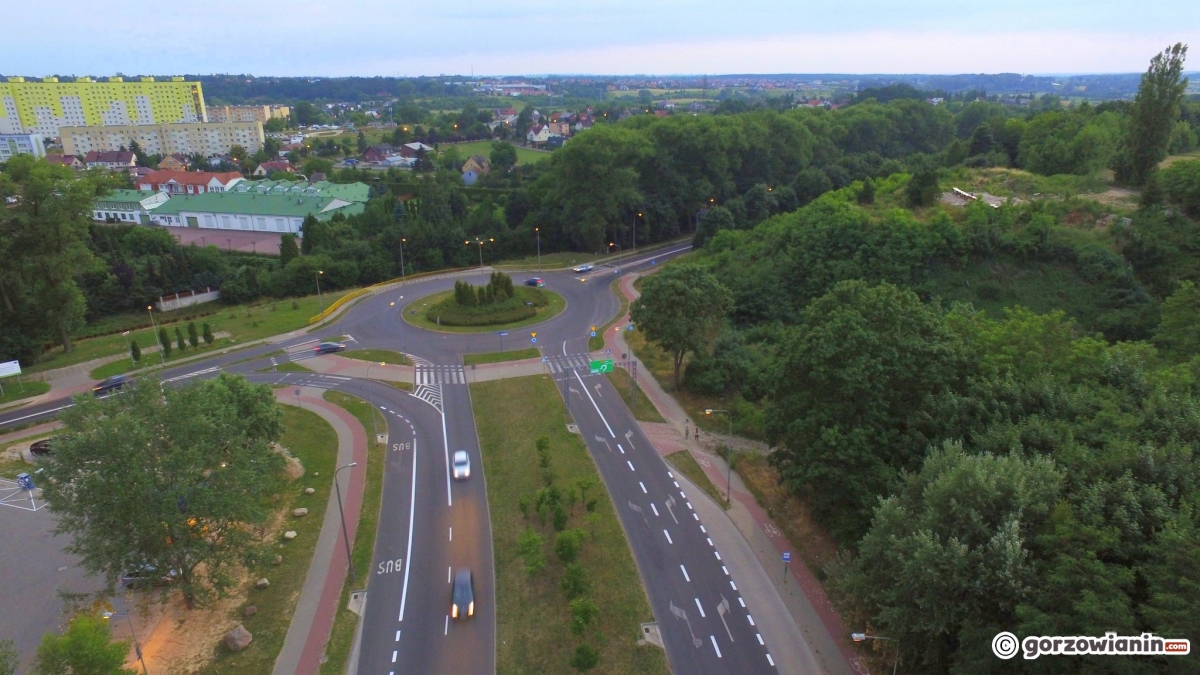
point(128, 206)
point(262, 206)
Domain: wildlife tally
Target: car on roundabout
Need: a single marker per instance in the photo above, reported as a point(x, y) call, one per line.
point(581, 269)
point(329, 348)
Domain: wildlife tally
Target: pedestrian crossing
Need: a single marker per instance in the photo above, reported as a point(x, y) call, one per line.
point(429, 373)
point(562, 364)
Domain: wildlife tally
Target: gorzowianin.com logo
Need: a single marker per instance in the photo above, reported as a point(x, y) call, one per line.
point(1006, 645)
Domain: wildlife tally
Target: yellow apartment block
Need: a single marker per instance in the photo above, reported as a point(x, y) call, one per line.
point(43, 107)
point(246, 113)
point(206, 138)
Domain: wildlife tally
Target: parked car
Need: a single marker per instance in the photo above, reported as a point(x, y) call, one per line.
point(536, 282)
point(462, 602)
point(111, 384)
point(582, 268)
point(41, 447)
point(462, 465)
point(329, 347)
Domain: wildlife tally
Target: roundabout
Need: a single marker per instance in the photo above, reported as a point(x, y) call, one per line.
point(423, 313)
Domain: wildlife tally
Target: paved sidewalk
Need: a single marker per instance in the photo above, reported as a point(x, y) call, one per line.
point(312, 620)
point(799, 591)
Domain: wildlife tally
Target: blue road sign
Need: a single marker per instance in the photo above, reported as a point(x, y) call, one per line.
point(593, 333)
point(544, 359)
point(533, 340)
point(787, 556)
point(502, 333)
point(629, 327)
point(607, 351)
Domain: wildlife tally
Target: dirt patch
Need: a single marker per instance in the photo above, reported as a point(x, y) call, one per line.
point(789, 512)
point(294, 469)
point(178, 641)
point(1121, 197)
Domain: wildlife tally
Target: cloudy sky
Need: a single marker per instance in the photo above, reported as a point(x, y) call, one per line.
point(494, 37)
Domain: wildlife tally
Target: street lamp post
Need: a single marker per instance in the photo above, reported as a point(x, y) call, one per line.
point(127, 349)
point(481, 242)
point(728, 453)
point(619, 249)
point(400, 330)
point(137, 648)
point(859, 637)
point(402, 240)
point(319, 298)
point(150, 308)
point(345, 536)
point(537, 231)
point(639, 215)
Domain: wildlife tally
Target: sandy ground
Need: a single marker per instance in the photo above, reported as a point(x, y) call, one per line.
point(234, 240)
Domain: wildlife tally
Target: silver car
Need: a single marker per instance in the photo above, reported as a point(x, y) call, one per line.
point(462, 465)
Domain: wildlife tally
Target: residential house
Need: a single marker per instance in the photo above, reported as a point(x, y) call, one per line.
point(583, 124)
point(66, 160)
point(263, 206)
point(376, 153)
point(414, 149)
point(560, 128)
point(273, 166)
point(469, 177)
point(110, 159)
point(398, 161)
point(479, 164)
point(175, 162)
point(538, 134)
point(189, 182)
point(128, 206)
point(555, 142)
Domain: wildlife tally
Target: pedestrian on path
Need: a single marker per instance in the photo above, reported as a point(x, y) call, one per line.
point(697, 434)
point(686, 422)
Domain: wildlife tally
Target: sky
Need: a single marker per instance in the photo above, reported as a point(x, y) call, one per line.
point(611, 37)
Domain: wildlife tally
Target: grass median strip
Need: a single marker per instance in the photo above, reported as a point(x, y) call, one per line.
point(500, 357)
point(378, 356)
point(341, 638)
point(533, 616)
point(16, 392)
point(687, 465)
point(637, 401)
point(597, 343)
point(415, 313)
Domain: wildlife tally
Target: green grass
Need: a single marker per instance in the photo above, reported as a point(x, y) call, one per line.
point(288, 367)
point(498, 357)
point(402, 386)
point(687, 465)
point(465, 150)
point(243, 322)
point(311, 440)
point(16, 392)
point(641, 407)
point(414, 313)
point(597, 343)
point(532, 620)
point(378, 356)
point(342, 636)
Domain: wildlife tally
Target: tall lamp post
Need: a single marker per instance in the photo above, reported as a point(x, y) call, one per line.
point(319, 298)
point(859, 637)
point(728, 454)
point(617, 245)
point(635, 219)
point(400, 330)
point(345, 536)
point(137, 648)
point(481, 242)
point(402, 240)
point(161, 349)
point(537, 231)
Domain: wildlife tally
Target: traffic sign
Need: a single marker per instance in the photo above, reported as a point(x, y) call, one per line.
point(533, 340)
point(14, 368)
point(544, 359)
point(533, 334)
point(605, 366)
point(593, 330)
point(787, 556)
point(502, 333)
point(593, 333)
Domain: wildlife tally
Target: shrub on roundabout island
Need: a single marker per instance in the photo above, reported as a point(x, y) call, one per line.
point(499, 302)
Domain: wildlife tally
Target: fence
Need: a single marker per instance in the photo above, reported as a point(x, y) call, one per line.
point(181, 300)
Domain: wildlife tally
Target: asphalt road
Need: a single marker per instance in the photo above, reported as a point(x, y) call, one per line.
point(430, 524)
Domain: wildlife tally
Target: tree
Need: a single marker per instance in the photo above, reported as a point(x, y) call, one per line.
point(207, 333)
point(680, 310)
point(312, 231)
point(715, 219)
point(135, 350)
point(1178, 333)
point(179, 341)
point(238, 154)
point(1152, 115)
point(145, 481)
point(574, 581)
point(585, 658)
point(287, 249)
point(583, 613)
point(531, 547)
point(9, 659)
point(922, 188)
point(503, 156)
point(164, 342)
point(362, 142)
point(1181, 184)
point(86, 648)
point(193, 335)
point(866, 195)
point(568, 544)
point(139, 155)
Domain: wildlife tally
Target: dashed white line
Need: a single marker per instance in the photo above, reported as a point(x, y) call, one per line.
point(709, 540)
point(751, 620)
point(760, 640)
point(742, 602)
point(620, 448)
point(685, 574)
point(670, 475)
point(452, 534)
point(689, 506)
point(734, 587)
point(449, 572)
point(630, 465)
point(654, 508)
point(701, 608)
point(770, 660)
point(718, 649)
point(703, 530)
point(696, 516)
point(643, 488)
point(718, 554)
point(725, 570)
point(394, 655)
point(668, 537)
point(676, 484)
point(447, 631)
point(397, 636)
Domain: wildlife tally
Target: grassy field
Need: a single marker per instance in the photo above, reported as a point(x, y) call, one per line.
point(465, 150)
point(687, 465)
point(378, 356)
point(243, 322)
point(643, 410)
point(532, 619)
point(498, 357)
point(288, 367)
point(414, 313)
point(551, 261)
point(342, 636)
point(597, 343)
point(311, 440)
point(16, 392)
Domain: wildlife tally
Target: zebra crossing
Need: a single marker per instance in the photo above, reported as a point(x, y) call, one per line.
point(562, 364)
point(428, 373)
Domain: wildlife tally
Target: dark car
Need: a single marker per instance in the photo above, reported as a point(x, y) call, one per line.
point(536, 282)
point(329, 347)
point(41, 447)
point(462, 602)
point(110, 385)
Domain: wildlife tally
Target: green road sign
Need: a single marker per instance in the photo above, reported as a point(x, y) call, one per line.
point(605, 366)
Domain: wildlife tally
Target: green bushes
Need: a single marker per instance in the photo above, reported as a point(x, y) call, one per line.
point(1181, 183)
point(492, 305)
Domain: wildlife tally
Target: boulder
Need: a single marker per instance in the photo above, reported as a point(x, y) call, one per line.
point(278, 560)
point(262, 583)
point(316, 473)
point(300, 512)
point(310, 491)
point(250, 611)
point(238, 638)
point(289, 535)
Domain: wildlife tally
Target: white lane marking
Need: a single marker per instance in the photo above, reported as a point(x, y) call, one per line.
point(751, 620)
point(703, 530)
point(564, 347)
point(742, 602)
point(718, 554)
point(760, 640)
point(301, 344)
point(696, 516)
point(677, 485)
point(709, 540)
point(44, 412)
point(446, 451)
point(643, 488)
point(412, 510)
point(699, 607)
point(734, 587)
point(192, 374)
point(620, 448)
point(689, 506)
point(725, 570)
point(630, 465)
point(589, 395)
point(668, 537)
point(654, 508)
point(714, 641)
point(449, 572)
point(397, 636)
point(685, 574)
point(452, 534)
point(447, 631)
point(770, 660)
point(394, 655)
point(670, 475)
